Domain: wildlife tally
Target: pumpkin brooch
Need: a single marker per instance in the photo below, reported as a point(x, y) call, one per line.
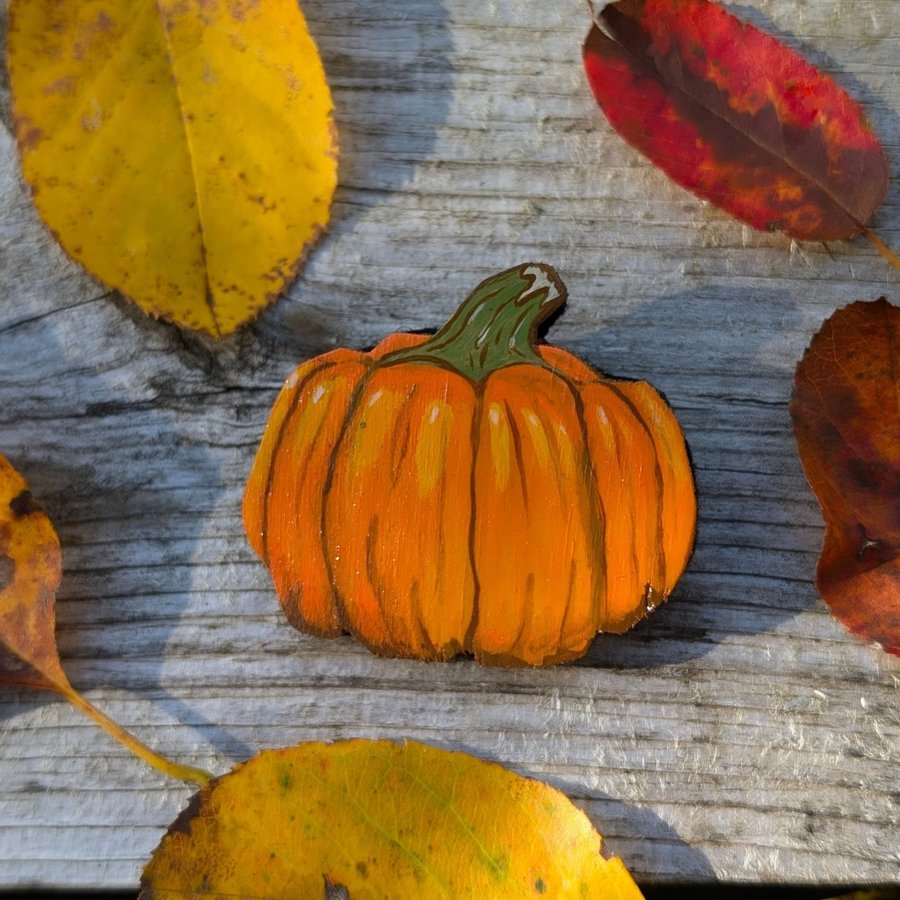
point(473, 491)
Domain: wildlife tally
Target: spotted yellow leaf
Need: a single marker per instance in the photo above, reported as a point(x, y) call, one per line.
point(183, 151)
point(381, 819)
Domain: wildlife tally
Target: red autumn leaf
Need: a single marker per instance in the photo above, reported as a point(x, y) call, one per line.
point(846, 412)
point(736, 117)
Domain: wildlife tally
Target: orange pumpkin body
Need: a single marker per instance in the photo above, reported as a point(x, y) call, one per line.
point(432, 504)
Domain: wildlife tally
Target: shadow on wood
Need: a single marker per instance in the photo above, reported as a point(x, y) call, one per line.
point(759, 529)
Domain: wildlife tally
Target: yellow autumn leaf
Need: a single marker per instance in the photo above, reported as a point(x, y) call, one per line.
point(183, 151)
point(370, 819)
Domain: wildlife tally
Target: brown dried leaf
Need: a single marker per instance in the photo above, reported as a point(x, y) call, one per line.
point(846, 412)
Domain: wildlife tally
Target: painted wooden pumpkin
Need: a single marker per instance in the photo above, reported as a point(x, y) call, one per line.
point(472, 491)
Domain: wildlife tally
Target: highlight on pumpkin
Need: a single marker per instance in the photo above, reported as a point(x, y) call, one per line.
point(473, 491)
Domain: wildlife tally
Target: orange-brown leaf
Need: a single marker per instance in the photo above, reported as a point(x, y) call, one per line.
point(30, 571)
point(846, 412)
point(380, 819)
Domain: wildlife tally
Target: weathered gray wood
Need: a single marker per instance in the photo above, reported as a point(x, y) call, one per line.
point(739, 734)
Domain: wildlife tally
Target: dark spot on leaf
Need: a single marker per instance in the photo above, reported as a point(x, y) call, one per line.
point(843, 403)
point(863, 475)
point(363, 869)
point(63, 86)
point(7, 571)
point(29, 135)
point(183, 820)
point(539, 886)
point(24, 505)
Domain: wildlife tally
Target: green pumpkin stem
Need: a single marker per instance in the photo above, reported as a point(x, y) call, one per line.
point(495, 326)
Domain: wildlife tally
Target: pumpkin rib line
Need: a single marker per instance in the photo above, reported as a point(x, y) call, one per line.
point(597, 511)
point(397, 459)
point(459, 638)
point(528, 601)
point(469, 636)
point(661, 551)
point(377, 586)
point(276, 450)
point(528, 610)
point(396, 462)
point(517, 450)
point(340, 605)
point(439, 652)
point(416, 619)
point(619, 458)
point(573, 568)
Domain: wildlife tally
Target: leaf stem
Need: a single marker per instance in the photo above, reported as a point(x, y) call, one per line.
point(138, 748)
point(882, 248)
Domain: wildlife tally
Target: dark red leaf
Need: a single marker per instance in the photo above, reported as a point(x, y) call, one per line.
point(846, 412)
point(736, 117)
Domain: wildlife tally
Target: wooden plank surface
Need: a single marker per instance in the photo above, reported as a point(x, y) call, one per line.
point(740, 734)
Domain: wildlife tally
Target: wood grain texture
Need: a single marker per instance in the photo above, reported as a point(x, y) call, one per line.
point(738, 734)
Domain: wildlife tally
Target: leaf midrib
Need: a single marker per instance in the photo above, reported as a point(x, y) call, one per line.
point(179, 97)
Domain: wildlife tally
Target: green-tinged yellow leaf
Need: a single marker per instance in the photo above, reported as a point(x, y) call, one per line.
point(30, 572)
point(182, 150)
point(380, 819)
